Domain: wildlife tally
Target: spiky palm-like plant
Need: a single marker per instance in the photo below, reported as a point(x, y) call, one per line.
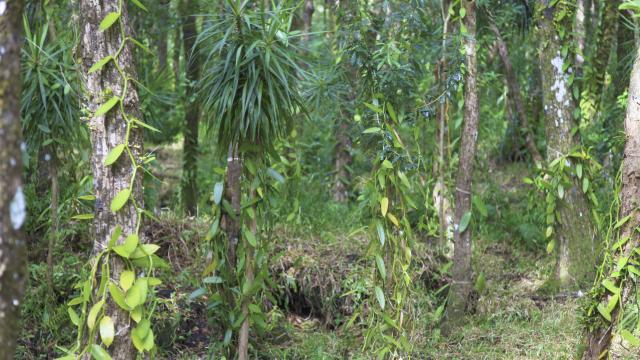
point(250, 97)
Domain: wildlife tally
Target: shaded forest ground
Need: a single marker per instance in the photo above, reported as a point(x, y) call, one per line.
point(511, 318)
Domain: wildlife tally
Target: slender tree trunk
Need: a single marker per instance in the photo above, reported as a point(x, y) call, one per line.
point(443, 110)
point(177, 48)
point(12, 200)
point(516, 95)
point(579, 34)
point(107, 132)
point(461, 282)
point(163, 33)
point(243, 338)
point(233, 194)
point(307, 18)
point(600, 340)
point(342, 162)
point(604, 43)
point(190, 148)
point(53, 233)
point(575, 235)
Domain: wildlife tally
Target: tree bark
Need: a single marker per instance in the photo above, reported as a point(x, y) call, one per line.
point(53, 233)
point(579, 34)
point(243, 338)
point(108, 131)
point(604, 43)
point(600, 339)
point(462, 277)
point(233, 194)
point(307, 18)
point(515, 94)
point(12, 200)
point(443, 109)
point(343, 160)
point(575, 235)
point(190, 147)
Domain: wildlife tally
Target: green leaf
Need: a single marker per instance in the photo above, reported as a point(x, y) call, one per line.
point(100, 64)
point(579, 171)
point(549, 231)
point(139, 4)
point(381, 268)
point(604, 312)
point(114, 154)
point(142, 329)
point(380, 296)
point(130, 243)
point(107, 331)
point(609, 285)
point(560, 191)
point(149, 341)
point(118, 296)
point(464, 222)
point(115, 235)
point(120, 199)
point(137, 295)
point(99, 353)
point(73, 315)
point(381, 233)
point(275, 175)
point(384, 206)
point(108, 20)
point(145, 125)
point(144, 250)
point(104, 108)
point(386, 164)
point(627, 335)
point(217, 192)
point(136, 314)
point(82, 217)
point(550, 246)
point(585, 184)
point(622, 221)
point(93, 314)
point(392, 113)
point(372, 130)
point(127, 278)
point(250, 238)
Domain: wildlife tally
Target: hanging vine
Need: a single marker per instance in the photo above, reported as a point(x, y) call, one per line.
point(133, 290)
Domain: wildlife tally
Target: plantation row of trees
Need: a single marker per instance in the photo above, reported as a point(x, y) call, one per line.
point(286, 111)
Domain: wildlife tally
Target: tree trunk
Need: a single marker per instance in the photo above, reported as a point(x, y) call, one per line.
point(177, 49)
point(233, 194)
point(575, 235)
point(462, 277)
point(443, 109)
point(12, 200)
point(190, 147)
point(515, 94)
point(243, 338)
point(307, 17)
point(342, 162)
point(579, 35)
point(53, 233)
point(163, 34)
point(107, 132)
point(604, 43)
point(600, 339)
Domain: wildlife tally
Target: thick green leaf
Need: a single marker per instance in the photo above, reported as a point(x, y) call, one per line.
point(380, 296)
point(144, 250)
point(114, 154)
point(604, 312)
point(217, 192)
point(127, 278)
point(99, 353)
point(372, 130)
point(631, 339)
point(120, 199)
point(381, 268)
point(107, 331)
point(464, 222)
point(83, 217)
point(130, 243)
point(250, 238)
point(381, 233)
point(118, 296)
point(93, 314)
point(104, 108)
point(139, 4)
point(108, 20)
point(73, 315)
point(384, 206)
point(100, 64)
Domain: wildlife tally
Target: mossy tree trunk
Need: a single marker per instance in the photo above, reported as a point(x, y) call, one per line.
point(12, 200)
point(192, 111)
point(574, 233)
point(461, 283)
point(106, 132)
point(601, 339)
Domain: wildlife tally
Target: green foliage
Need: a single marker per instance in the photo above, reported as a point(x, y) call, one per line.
point(249, 80)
